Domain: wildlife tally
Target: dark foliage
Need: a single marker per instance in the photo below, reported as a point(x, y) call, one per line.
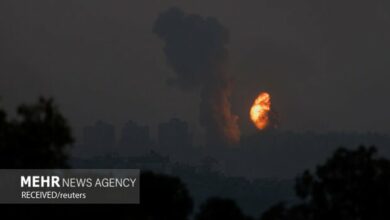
point(352, 184)
point(162, 197)
point(37, 138)
point(218, 208)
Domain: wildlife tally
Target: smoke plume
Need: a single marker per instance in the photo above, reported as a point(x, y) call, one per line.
point(195, 50)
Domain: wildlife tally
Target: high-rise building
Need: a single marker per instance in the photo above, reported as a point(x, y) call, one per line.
point(135, 135)
point(101, 134)
point(174, 133)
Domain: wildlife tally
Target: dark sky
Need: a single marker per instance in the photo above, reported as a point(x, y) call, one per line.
point(325, 63)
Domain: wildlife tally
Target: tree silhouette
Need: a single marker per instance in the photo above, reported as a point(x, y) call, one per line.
point(219, 208)
point(37, 138)
point(352, 184)
point(162, 197)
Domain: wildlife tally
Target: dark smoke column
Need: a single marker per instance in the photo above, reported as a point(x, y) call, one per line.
point(195, 50)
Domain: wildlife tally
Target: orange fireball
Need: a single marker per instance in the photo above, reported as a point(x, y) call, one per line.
point(259, 110)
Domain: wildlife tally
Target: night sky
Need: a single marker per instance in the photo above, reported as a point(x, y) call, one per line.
point(325, 63)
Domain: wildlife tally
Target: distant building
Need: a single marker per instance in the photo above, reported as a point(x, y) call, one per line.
point(174, 134)
point(101, 134)
point(134, 135)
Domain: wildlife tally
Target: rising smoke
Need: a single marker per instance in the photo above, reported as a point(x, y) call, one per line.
point(195, 50)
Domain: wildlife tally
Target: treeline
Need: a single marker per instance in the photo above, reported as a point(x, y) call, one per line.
point(351, 184)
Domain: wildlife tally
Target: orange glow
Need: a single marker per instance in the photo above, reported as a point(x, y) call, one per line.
point(259, 110)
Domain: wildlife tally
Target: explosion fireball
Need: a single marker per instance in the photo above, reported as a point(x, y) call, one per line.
point(260, 109)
